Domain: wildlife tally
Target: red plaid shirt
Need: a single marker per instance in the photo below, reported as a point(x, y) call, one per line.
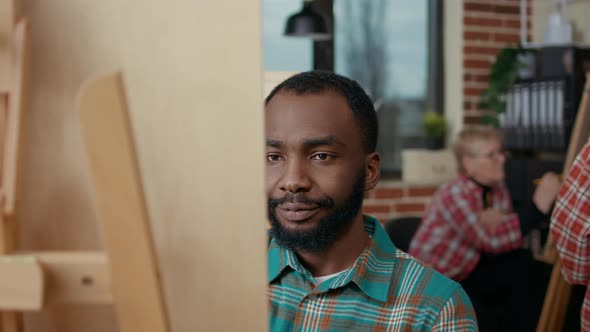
point(450, 236)
point(570, 227)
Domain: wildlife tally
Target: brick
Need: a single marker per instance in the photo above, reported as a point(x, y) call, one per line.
point(472, 119)
point(472, 108)
point(476, 35)
point(469, 49)
point(480, 78)
point(482, 7)
point(420, 192)
point(512, 23)
point(515, 23)
point(409, 207)
point(471, 91)
point(513, 9)
point(388, 193)
point(474, 63)
point(376, 209)
point(502, 2)
point(482, 21)
point(507, 9)
point(506, 37)
point(476, 79)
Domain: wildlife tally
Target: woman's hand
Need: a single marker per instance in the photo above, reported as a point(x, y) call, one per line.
point(546, 192)
point(491, 218)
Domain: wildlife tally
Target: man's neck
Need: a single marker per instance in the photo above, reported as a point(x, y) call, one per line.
point(341, 255)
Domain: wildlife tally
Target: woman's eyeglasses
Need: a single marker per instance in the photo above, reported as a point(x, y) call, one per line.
point(494, 155)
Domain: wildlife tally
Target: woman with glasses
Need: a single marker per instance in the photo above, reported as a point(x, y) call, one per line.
point(471, 234)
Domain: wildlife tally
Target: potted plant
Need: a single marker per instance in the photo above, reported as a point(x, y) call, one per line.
point(434, 127)
point(503, 74)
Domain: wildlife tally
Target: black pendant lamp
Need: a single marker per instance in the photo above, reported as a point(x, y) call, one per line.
point(309, 22)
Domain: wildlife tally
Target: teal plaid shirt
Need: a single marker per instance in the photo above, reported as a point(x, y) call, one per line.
point(385, 290)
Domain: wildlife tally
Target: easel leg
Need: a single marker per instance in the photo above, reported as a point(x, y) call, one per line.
point(7, 236)
point(11, 321)
point(121, 206)
point(556, 302)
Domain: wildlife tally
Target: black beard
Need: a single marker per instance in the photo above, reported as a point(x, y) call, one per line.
point(328, 230)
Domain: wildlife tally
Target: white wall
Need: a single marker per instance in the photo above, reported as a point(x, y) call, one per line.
point(577, 12)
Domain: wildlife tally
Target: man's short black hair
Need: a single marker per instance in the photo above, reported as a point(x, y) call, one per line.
point(315, 82)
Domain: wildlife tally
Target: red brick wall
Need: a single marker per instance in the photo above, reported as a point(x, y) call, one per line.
point(393, 199)
point(488, 26)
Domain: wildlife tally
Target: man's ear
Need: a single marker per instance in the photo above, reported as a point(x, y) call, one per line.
point(372, 170)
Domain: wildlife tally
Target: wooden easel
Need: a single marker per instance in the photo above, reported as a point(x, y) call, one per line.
point(125, 274)
point(11, 117)
point(558, 291)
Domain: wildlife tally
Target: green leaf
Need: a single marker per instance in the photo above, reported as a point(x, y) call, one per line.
point(503, 75)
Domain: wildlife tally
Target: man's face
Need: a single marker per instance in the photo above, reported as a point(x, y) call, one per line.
point(315, 174)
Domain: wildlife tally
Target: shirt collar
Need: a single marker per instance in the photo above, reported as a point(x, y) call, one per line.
point(474, 185)
point(371, 272)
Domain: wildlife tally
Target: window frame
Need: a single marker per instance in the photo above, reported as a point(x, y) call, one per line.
point(323, 58)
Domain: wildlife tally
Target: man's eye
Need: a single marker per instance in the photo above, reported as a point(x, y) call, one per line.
point(273, 157)
point(321, 156)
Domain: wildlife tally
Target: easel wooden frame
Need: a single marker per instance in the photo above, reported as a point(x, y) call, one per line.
point(558, 291)
point(12, 111)
point(122, 212)
point(126, 273)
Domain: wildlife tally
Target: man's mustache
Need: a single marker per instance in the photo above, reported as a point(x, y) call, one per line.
point(325, 202)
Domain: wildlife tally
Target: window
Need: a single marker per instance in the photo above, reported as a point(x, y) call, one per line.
point(391, 47)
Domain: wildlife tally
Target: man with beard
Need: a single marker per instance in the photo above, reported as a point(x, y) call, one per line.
point(331, 268)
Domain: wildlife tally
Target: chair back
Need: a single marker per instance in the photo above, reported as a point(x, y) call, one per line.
point(401, 230)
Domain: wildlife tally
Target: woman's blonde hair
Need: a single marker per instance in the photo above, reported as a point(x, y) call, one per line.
point(469, 140)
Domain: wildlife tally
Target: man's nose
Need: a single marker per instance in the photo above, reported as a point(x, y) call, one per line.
point(295, 178)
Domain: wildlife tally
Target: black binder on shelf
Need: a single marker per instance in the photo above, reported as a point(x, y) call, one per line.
point(540, 112)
